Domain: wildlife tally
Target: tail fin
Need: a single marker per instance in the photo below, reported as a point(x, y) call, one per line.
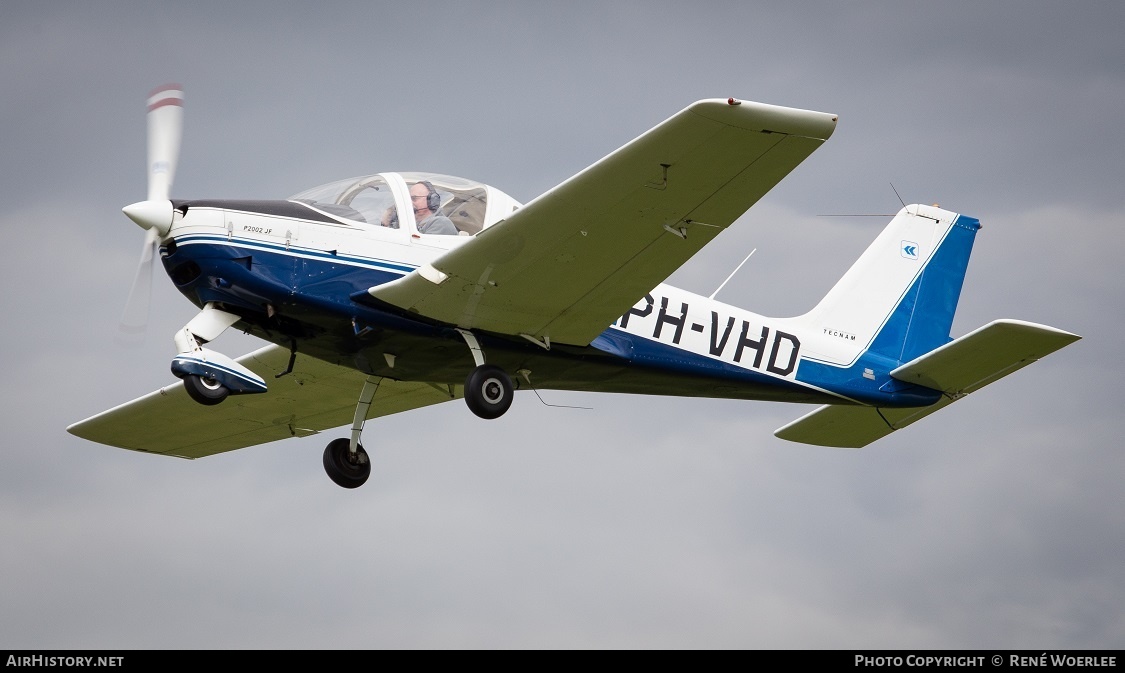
point(881, 335)
point(898, 299)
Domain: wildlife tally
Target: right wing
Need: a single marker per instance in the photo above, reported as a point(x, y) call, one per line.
point(565, 266)
point(315, 396)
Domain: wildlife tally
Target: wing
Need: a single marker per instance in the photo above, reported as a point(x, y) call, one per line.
point(316, 396)
point(568, 264)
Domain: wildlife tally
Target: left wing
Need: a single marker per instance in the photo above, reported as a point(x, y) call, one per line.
point(565, 266)
point(316, 396)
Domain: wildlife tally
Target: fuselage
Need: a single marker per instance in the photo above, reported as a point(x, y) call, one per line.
point(297, 271)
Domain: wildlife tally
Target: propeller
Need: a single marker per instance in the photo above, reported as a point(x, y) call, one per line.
point(154, 215)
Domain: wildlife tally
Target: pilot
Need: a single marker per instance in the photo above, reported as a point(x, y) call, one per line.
point(389, 218)
point(426, 201)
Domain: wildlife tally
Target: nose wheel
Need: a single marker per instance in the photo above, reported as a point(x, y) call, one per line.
point(205, 390)
point(488, 391)
point(347, 469)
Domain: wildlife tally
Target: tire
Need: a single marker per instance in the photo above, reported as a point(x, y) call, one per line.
point(488, 391)
point(205, 391)
point(342, 470)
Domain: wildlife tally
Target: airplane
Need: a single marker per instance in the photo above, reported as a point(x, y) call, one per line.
point(395, 291)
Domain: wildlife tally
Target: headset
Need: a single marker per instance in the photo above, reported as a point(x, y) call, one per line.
point(433, 199)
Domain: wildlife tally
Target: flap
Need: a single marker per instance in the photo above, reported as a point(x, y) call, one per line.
point(566, 265)
point(316, 396)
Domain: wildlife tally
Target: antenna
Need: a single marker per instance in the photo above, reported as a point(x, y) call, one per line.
point(896, 194)
point(526, 374)
point(732, 274)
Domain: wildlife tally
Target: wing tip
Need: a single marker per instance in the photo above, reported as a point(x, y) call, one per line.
point(764, 117)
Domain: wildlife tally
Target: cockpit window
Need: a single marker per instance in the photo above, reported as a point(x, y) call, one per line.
point(462, 201)
point(367, 199)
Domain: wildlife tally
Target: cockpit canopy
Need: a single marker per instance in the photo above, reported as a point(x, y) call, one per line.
point(384, 200)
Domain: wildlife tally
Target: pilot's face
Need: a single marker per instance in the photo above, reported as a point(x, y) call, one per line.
point(418, 194)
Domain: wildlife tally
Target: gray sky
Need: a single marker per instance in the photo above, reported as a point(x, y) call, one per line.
point(648, 521)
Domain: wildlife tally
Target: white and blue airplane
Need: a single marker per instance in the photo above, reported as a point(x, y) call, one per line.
point(390, 292)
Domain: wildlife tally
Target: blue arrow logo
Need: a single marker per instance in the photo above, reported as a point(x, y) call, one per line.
point(910, 249)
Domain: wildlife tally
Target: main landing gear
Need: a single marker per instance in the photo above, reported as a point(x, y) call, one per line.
point(488, 389)
point(345, 460)
point(488, 392)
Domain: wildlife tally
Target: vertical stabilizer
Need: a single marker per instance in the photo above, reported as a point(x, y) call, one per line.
point(898, 300)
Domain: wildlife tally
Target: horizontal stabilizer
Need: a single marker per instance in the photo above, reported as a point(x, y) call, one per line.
point(852, 427)
point(958, 368)
point(983, 356)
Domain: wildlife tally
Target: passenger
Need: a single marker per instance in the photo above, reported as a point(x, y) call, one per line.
point(390, 218)
point(426, 201)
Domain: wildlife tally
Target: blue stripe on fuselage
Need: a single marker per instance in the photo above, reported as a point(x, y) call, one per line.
point(647, 352)
point(253, 273)
point(295, 251)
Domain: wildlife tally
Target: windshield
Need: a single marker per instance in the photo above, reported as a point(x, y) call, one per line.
point(367, 199)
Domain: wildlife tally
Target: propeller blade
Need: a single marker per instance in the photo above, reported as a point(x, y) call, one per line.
point(134, 319)
point(165, 128)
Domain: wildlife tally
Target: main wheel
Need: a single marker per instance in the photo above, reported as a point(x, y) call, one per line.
point(205, 391)
point(488, 391)
point(342, 467)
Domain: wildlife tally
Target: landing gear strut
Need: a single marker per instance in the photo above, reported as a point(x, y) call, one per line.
point(345, 461)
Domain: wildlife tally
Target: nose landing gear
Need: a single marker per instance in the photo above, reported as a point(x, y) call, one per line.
point(210, 376)
point(206, 391)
